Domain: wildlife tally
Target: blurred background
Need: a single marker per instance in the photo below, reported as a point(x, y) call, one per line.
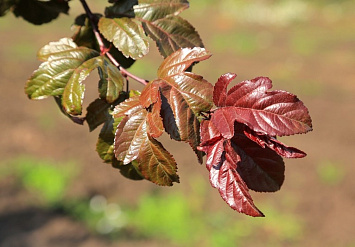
point(55, 190)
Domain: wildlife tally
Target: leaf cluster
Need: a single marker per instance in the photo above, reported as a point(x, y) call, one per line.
point(235, 128)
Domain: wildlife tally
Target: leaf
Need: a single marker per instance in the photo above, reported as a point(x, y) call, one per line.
point(130, 170)
point(232, 188)
point(40, 12)
point(271, 142)
point(185, 95)
point(161, 23)
point(271, 113)
point(97, 113)
point(171, 34)
point(84, 36)
point(77, 120)
point(60, 59)
point(133, 142)
point(111, 81)
point(73, 94)
point(122, 8)
point(110, 86)
point(130, 136)
point(262, 169)
point(151, 100)
point(157, 164)
point(126, 34)
point(239, 164)
point(152, 10)
point(5, 5)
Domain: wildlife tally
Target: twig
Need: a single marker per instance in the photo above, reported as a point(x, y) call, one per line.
point(104, 50)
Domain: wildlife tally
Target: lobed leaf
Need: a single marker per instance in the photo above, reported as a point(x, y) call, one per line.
point(60, 59)
point(184, 95)
point(271, 113)
point(126, 34)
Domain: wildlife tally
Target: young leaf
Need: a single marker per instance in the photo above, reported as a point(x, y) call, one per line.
point(185, 95)
point(60, 59)
point(133, 141)
point(271, 113)
point(130, 170)
point(126, 34)
point(77, 120)
point(161, 23)
point(39, 12)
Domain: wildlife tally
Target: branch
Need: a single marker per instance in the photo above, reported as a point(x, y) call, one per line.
point(104, 50)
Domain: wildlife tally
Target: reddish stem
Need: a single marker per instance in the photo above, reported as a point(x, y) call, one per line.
point(104, 50)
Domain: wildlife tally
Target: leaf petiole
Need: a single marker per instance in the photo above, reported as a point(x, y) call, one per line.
point(104, 50)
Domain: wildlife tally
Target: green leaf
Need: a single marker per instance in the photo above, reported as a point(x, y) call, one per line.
point(123, 8)
point(111, 81)
point(110, 86)
point(73, 94)
point(104, 145)
point(130, 170)
point(60, 59)
point(77, 120)
point(5, 5)
point(97, 113)
point(126, 34)
point(40, 12)
point(84, 36)
point(151, 10)
point(161, 23)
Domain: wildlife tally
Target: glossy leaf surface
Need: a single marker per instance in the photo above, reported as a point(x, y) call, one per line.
point(60, 59)
point(126, 34)
point(186, 94)
point(273, 113)
point(161, 23)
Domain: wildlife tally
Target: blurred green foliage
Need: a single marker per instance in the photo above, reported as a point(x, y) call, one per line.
point(48, 179)
point(331, 173)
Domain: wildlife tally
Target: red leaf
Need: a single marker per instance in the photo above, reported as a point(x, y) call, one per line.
point(220, 89)
point(272, 113)
point(232, 188)
point(274, 144)
point(262, 169)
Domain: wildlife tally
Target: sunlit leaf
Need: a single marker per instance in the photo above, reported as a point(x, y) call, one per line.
point(161, 23)
point(185, 94)
point(126, 34)
point(272, 113)
point(60, 59)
